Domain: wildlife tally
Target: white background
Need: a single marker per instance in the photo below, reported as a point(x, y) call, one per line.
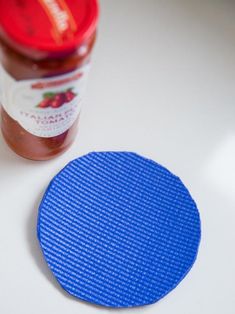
point(162, 85)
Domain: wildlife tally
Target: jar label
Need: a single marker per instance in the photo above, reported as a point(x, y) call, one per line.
point(45, 107)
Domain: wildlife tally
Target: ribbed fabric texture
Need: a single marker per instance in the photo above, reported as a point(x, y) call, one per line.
point(118, 230)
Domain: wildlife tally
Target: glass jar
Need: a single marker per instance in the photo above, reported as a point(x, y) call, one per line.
point(44, 65)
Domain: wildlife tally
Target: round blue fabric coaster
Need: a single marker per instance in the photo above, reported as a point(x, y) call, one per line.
point(118, 230)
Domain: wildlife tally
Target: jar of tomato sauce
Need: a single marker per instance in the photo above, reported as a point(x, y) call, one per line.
point(45, 48)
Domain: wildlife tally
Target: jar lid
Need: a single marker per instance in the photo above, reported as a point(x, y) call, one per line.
point(118, 230)
point(48, 25)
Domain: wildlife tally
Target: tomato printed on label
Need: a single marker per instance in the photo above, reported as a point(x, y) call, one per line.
point(57, 100)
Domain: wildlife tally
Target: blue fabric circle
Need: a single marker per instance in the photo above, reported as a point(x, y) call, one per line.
point(118, 230)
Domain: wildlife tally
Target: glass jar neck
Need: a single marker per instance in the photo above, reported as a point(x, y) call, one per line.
point(38, 55)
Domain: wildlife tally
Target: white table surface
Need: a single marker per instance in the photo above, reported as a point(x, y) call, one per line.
point(162, 85)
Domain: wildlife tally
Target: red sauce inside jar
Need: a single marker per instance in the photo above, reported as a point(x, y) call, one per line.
point(56, 42)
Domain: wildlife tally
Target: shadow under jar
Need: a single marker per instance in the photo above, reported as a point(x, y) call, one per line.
point(45, 49)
